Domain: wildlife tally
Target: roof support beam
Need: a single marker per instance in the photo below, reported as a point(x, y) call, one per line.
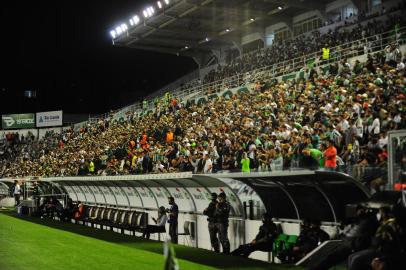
point(154, 48)
point(305, 4)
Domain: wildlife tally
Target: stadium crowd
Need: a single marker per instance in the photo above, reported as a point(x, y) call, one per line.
point(325, 120)
point(301, 48)
point(333, 119)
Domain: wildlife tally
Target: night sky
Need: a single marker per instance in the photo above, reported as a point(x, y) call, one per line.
point(63, 51)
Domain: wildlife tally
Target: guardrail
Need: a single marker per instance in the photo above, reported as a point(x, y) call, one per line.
point(372, 44)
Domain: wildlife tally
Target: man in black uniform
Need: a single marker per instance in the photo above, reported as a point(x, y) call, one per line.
point(264, 239)
point(221, 215)
point(310, 237)
point(209, 212)
point(173, 220)
point(35, 194)
point(356, 236)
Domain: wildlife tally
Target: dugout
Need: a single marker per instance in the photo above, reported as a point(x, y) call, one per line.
point(289, 195)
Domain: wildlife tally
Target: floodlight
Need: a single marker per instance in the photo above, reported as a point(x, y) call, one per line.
point(123, 27)
point(145, 12)
point(228, 30)
point(149, 11)
point(167, 2)
point(252, 19)
point(131, 22)
point(159, 4)
point(186, 47)
point(113, 33)
point(207, 39)
point(136, 19)
point(280, 7)
point(118, 30)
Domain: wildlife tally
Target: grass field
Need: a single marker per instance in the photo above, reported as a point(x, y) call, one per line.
point(31, 243)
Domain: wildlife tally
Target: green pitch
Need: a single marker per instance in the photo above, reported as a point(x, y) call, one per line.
point(32, 243)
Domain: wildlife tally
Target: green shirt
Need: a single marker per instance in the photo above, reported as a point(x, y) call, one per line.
point(245, 165)
point(317, 155)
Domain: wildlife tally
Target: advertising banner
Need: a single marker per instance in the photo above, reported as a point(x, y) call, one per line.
point(49, 119)
point(18, 121)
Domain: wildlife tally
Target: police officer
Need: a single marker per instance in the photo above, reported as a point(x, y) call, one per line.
point(264, 239)
point(209, 212)
point(221, 215)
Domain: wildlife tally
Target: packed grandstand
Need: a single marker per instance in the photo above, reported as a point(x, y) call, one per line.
point(320, 106)
point(277, 126)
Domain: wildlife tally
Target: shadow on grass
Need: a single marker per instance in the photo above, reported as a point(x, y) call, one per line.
point(196, 255)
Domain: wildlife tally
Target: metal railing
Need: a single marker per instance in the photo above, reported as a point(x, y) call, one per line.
point(373, 44)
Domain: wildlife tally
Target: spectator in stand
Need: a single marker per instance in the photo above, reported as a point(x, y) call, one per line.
point(245, 163)
point(208, 163)
point(330, 156)
point(273, 125)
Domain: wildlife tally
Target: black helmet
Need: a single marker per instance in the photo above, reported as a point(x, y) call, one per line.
point(213, 196)
point(266, 216)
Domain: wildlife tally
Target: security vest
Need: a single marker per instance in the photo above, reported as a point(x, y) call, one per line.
point(326, 53)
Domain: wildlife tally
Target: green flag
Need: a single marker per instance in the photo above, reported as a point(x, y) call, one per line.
point(171, 262)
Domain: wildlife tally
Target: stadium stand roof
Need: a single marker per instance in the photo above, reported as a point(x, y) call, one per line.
point(197, 27)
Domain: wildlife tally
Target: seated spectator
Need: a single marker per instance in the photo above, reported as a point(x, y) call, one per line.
point(309, 238)
point(51, 207)
point(79, 211)
point(264, 239)
point(160, 223)
point(355, 237)
point(386, 246)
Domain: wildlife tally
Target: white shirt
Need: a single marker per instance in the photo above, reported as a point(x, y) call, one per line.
point(17, 189)
point(375, 127)
point(382, 142)
point(208, 166)
point(397, 119)
point(162, 220)
point(360, 127)
point(357, 108)
point(344, 125)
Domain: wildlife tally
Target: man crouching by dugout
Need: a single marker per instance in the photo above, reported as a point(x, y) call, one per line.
point(211, 219)
point(221, 215)
point(264, 239)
